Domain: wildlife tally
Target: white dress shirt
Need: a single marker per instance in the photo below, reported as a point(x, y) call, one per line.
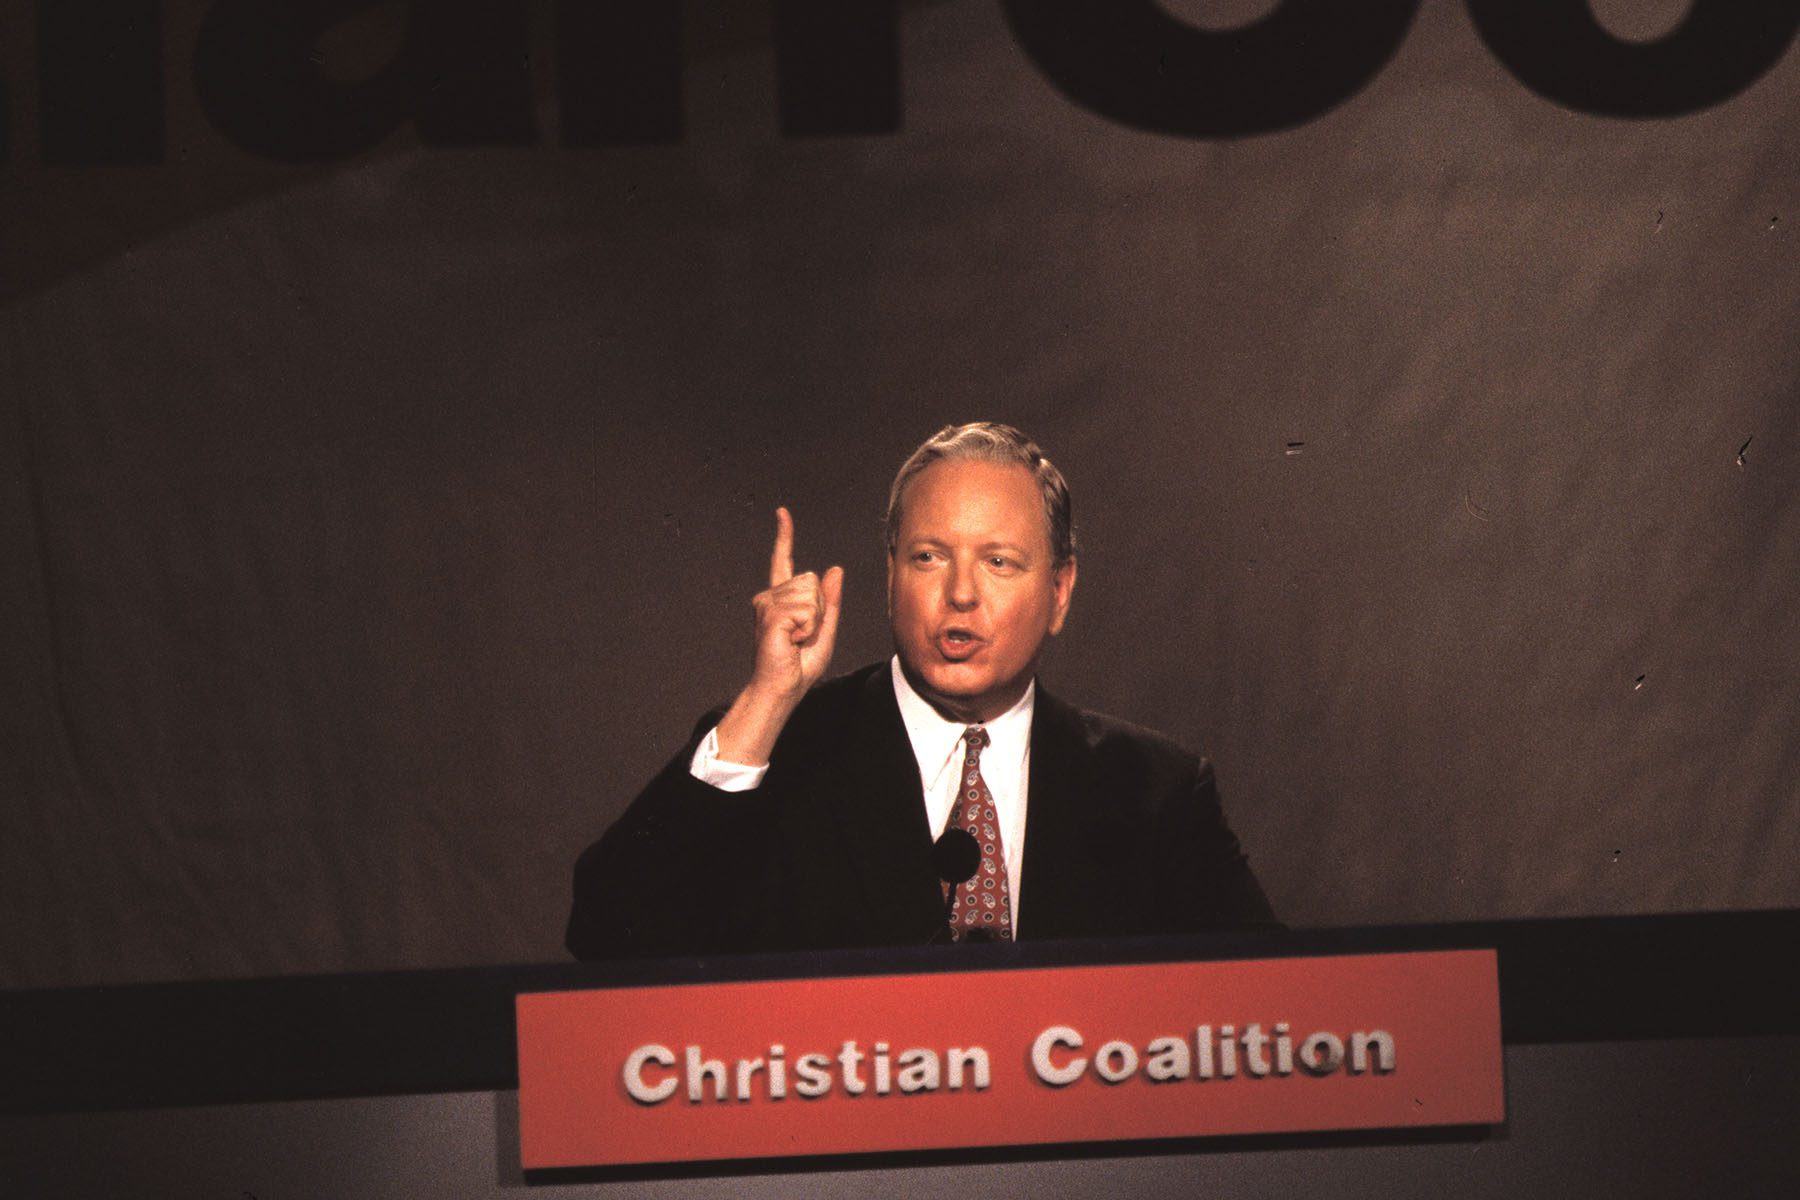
point(937, 746)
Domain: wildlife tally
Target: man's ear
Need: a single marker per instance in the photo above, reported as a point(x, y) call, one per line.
point(890, 585)
point(1062, 581)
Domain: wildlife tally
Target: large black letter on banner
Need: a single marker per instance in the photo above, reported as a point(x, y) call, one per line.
point(462, 75)
point(837, 67)
point(618, 72)
point(1130, 61)
point(100, 82)
point(471, 64)
point(260, 86)
point(1558, 50)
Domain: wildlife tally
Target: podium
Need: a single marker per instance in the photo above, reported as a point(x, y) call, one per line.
point(1643, 1056)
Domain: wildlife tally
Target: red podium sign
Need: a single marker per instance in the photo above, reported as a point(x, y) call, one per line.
point(1002, 1058)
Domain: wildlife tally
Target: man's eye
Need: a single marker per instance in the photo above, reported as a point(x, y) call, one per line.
point(999, 563)
point(923, 556)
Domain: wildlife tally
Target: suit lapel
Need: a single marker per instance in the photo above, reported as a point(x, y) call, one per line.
point(1062, 881)
point(882, 815)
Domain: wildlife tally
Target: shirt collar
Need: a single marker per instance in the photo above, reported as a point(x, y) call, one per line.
point(935, 740)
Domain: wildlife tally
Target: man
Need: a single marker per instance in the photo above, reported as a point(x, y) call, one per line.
point(816, 815)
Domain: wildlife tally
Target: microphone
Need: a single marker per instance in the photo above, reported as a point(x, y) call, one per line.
point(957, 857)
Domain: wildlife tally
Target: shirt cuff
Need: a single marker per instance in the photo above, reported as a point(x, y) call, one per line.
point(709, 768)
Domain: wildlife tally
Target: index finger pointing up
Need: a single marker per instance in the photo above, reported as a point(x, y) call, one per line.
point(781, 559)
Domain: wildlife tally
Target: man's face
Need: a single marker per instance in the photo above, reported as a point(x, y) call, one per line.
point(972, 589)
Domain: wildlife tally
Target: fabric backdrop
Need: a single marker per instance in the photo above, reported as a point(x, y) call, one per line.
point(382, 486)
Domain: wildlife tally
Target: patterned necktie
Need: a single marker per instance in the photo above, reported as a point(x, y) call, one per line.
point(983, 907)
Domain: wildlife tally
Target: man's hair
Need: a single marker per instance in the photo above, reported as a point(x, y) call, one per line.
point(990, 441)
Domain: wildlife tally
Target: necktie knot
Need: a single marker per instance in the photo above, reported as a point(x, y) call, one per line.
point(975, 737)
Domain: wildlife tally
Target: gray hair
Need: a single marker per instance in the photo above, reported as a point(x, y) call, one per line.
point(990, 441)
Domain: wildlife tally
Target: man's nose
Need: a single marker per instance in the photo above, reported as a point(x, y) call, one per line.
point(960, 589)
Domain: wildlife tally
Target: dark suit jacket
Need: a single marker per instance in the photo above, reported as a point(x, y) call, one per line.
point(1123, 835)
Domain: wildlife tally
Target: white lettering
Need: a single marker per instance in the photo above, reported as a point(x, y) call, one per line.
point(1116, 1062)
point(712, 1069)
point(645, 1093)
point(777, 1072)
point(884, 1082)
point(812, 1075)
point(974, 1057)
point(918, 1071)
point(746, 1067)
point(1256, 1050)
point(1203, 1046)
point(1321, 1053)
point(1359, 1051)
point(652, 1073)
point(1049, 1072)
point(1169, 1060)
point(849, 1058)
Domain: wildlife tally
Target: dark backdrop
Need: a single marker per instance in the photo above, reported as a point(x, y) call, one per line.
point(377, 513)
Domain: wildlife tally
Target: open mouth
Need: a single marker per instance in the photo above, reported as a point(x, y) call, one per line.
point(957, 644)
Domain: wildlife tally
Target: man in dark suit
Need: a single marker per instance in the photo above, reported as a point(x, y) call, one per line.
point(809, 815)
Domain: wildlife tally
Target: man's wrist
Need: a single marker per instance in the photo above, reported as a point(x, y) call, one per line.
point(713, 769)
point(747, 732)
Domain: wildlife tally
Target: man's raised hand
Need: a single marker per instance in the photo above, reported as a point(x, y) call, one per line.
point(796, 618)
point(796, 630)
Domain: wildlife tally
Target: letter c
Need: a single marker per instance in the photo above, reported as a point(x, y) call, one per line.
point(1559, 50)
point(1133, 62)
point(640, 1091)
point(1049, 1072)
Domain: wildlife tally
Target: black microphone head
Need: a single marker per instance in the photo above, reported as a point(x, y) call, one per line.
point(956, 856)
